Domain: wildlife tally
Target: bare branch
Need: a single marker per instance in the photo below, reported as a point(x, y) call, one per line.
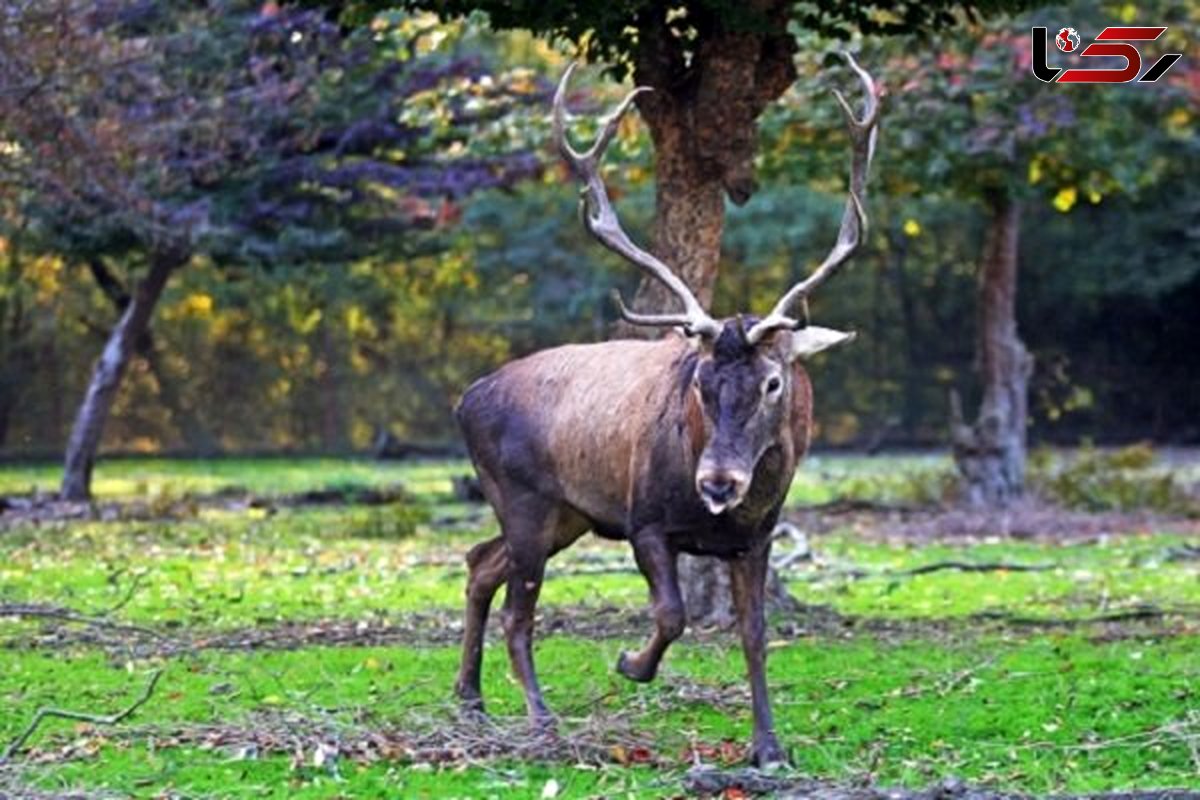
point(33, 611)
point(96, 719)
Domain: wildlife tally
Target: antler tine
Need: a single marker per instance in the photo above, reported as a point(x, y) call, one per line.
point(654, 320)
point(863, 133)
point(601, 220)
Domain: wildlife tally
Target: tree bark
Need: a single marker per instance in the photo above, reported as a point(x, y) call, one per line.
point(703, 120)
point(689, 217)
point(85, 435)
point(702, 117)
point(990, 454)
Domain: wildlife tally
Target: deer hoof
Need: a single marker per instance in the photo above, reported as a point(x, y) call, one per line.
point(628, 666)
point(470, 701)
point(472, 708)
point(544, 723)
point(767, 754)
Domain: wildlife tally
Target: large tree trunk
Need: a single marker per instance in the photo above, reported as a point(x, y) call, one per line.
point(702, 117)
point(990, 454)
point(689, 217)
point(106, 377)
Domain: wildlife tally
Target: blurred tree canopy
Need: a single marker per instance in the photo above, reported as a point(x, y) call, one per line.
point(154, 135)
point(615, 32)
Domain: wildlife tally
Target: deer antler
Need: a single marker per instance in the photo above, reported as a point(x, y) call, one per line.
point(854, 218)
point(601, 220)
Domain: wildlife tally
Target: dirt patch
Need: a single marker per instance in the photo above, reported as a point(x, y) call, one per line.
point(1035, 521)
point(706, 782)
point(435, 736)
point(61, 628)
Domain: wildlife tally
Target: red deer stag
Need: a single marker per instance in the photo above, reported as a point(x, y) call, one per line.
point(687, 443)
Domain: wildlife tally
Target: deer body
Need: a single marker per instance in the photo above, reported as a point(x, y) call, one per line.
point(686, 444)
point(614, 432)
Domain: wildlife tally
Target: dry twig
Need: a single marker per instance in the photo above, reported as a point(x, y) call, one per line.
point(96, 719)
point(855, 574)
point(41, 611)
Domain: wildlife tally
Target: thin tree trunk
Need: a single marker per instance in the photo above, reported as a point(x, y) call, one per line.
point(702, 117)
point(106, 377)
point(192, 433)
point(990, 454)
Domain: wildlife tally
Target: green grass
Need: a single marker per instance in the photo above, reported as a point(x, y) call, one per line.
point(231, 569)
point(821, 479)
point(133, 478)
point(1086, 579)
point(1082, 709)
point(888, 479)
point(140, 772)
point(241, 568)
point(1040, 714)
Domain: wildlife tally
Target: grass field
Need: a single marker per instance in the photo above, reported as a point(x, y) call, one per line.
point(310, 651)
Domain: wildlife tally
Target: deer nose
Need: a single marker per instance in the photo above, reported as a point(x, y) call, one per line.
point(720, 491)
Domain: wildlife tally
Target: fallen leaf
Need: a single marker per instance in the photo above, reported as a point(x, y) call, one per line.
point(640, 755)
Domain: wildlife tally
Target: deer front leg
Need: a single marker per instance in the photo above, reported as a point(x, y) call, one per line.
point(748, 576)
point(657, 563)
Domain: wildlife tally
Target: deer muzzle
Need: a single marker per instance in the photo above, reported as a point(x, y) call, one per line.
point(720, 489)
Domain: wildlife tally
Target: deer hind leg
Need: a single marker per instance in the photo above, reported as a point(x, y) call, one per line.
point(488, 564)
point(534, 529)
point(657, 563)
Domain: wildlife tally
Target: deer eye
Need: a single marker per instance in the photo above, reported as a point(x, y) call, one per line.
point(774, 384)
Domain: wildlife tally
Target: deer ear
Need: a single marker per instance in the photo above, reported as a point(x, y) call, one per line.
point(811, 340)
